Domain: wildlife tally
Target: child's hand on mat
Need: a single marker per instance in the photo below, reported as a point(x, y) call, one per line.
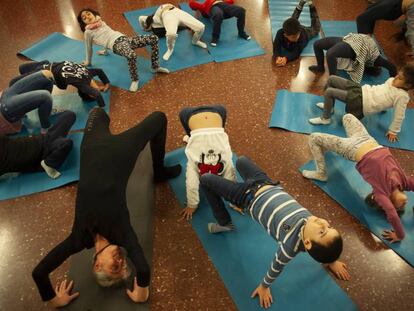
point(63, 295)
point(104, 88)
point(102, 52)
point(237, 209)
point(392, 137)
point(390, 236)
point(340, 270)
point(187, 213)
point(281, 61)
point(138, 294)
point(265, 297)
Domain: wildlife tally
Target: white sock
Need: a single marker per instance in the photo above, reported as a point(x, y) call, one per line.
point(214, 227)
point(50, 170)
point(201, 44)
point(134, 86)
point(314, 175)
point(167, 55)
point(160, 70)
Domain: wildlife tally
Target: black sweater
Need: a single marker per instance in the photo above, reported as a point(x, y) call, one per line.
point(69, 73)
point(282, 47)
point(101, 207)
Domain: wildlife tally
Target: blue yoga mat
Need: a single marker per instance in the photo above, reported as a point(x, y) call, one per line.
point(338, 28)
point(57, 47)
point(15, 185)
point(279, 11)
point(230, 46)
point(70, 101)
point(242, 258)
point(185, 53)
point(292, 111)
point(346, 186)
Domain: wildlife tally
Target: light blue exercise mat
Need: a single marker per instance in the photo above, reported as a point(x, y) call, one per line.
point(292, 111)
point(57, 47)
point(346, 186)
point(243, 257)
point(71, 102)
point(230, 46)
point(185, 53)
point(281, 10)
point(16, 185)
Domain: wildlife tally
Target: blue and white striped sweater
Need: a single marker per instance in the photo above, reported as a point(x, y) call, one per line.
point(283, 219)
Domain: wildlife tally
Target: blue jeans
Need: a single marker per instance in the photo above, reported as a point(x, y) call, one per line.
point(29, 68)
point(29, 93)
point(221, 11)
point(187, 113)
point(240, 194)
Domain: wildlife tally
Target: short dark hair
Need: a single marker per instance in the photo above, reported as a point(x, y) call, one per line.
point(291, 26)
point(80, 21)
point(408, 71)
point(149, 21)
point(326, 254)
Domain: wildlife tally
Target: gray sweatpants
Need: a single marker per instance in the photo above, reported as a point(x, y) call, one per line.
point(336, 88)
point(356, 133)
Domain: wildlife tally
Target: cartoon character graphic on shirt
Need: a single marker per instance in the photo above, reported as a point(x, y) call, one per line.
point(71, 69)
point(210, 163)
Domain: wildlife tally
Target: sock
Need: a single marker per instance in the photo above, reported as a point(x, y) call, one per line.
point(167, 55)
point(214, 227)
point(167, 173)
point(301, 4)
point(315, 175)
point(50, 170)
point(160, 70)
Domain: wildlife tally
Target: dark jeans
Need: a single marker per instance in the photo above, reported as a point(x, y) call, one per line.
point(382, 10)
point(337, 48)
point(187, 113)
point(124, 148)
point(29, 93)
point(221, 11)
point(56, 146)
point(29, 68)
point(240, 194)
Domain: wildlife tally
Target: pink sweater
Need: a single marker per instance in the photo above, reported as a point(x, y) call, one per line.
point(380, 169)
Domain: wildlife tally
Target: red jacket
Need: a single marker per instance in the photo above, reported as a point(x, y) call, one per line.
point(205, 7)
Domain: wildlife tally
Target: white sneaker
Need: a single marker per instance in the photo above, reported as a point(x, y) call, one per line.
point(201, 44)
point(160, 70)
point(167, 55)
point(322, 105)
point(134, 86)
point(314, 175)
point(320, 120)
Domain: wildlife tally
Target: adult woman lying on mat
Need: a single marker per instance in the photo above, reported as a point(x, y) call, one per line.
point(98, 32)
point(365, 100)
point(101, 215)
point(389, 10)
point(376, 165)
point(69, 73)
point(165, 22)
point(219, 10)
point(353, 53)
point(30, 93)
point(293, 37)
point(38, 152)
point(208, 149)
point(290, 224)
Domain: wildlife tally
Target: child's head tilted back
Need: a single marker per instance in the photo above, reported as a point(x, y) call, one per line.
point(87, 16)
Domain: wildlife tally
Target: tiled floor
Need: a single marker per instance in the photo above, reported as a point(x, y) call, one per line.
point(183, 276)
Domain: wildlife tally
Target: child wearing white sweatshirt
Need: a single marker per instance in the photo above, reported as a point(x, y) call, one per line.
point(366, 100)
point(208, 149)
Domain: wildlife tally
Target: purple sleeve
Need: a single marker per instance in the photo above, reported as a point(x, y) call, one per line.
point(391, 213)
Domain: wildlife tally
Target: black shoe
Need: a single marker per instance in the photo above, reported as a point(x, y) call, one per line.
point(214, 42)
point(316, 69)
point(244, 36)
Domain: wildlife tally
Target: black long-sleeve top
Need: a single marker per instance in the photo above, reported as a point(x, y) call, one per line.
point(101, 207)
point(282, 47)
point(69, 73)
point(20, 154)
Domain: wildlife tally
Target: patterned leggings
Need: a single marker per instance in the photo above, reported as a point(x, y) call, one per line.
point(125, 46)
point(356, 133)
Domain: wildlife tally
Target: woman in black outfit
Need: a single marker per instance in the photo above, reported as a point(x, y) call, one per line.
point(101, 215)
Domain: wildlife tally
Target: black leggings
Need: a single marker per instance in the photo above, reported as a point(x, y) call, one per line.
point(382, 10)
point(120, 152)
point(337, 48)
